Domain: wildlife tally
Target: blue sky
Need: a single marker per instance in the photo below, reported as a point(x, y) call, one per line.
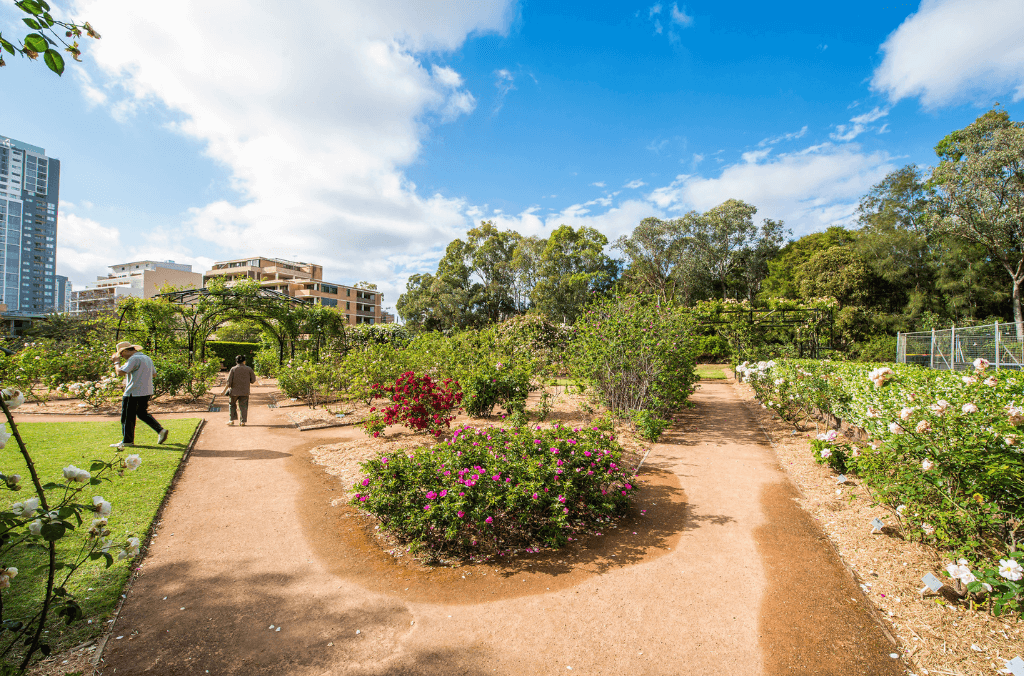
point(367, 138)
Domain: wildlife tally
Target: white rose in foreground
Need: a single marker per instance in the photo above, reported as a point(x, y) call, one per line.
point(961, 572)
point(923, 427)
point(939, 407)
point(36, 527)
point(926, 465)
point(981, 364)
point(25, 509)
point(928, 528)
point(133, 461)
point(895, 428)
point(991, 381)
point(101, 506)
point(72, 473)
point(901, 509)
point(14, 398)
point(969, 408)
point(1010, 569)
point(4, 435)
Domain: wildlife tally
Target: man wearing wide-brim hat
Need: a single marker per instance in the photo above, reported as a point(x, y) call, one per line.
point(137, 369)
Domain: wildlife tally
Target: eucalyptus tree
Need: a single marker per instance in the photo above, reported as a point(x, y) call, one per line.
point(653, 254)
point(979, 186)
point(573, 268)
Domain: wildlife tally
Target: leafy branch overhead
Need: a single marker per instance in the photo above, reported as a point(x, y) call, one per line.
point(47, 39)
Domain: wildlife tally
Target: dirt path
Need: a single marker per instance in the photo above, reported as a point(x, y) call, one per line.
point(720, 574)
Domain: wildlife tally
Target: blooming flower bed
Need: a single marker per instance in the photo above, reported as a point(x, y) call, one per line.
point(941, 450)
point(487, 492)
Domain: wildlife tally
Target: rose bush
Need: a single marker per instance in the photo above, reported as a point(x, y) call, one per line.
point(491, 491)
point(418, 402)
point(941, 450)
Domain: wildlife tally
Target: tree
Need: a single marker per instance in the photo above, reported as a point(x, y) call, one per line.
point(727, 242)
point(39, 42)
point(653, 253)
point(491, 256)
point(366, 285)
point(980, 192)
point(572, 269)
point(898, 240)
point(781, 281)
point(838, 273)
point(526, 265)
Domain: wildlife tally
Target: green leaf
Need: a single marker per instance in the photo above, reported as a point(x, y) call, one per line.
point(42, 3)
point(44, 649)
point(48, 19)
point(97, 465)
point(36, 42)
point(30, 6)
point(53, 531)
point(7, 46)
point(109, 558)
point(60, 591)
point(33, 24)
point(55, 62)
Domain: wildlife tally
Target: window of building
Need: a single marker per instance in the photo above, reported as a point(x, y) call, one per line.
point(329, 302)
point(348, 305)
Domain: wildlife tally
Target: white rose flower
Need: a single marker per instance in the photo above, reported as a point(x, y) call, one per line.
point(939, 407)
point(981, 364)
point(905, 413)
point(11, 572)
point(1010, 569)
point(926, 465)
point(101, 506)
point(26, 508)
point(900, 509)
point(969, 408)
point(895, 428)
point(928, 528)
point(133, 461)
point(13, 397)
point(873, 412)
point(923, 427)
point(4, 435)
point(35, 527)
point(72, 473)
point(991, 381)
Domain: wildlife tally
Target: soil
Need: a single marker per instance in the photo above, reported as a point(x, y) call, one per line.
point(261, 567)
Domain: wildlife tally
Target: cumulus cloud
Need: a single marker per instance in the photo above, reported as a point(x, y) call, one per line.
point(858, 125)
point(809, 189)
point(634, 184)
point(951, 51)
point(314, 121)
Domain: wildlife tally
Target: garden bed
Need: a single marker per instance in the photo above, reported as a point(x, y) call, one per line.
point(938, 637)
point(342, 460)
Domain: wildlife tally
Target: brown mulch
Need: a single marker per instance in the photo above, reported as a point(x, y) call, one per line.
point(939, 637)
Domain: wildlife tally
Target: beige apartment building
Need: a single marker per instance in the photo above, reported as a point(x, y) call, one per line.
point(141, 279)
point(304, 281)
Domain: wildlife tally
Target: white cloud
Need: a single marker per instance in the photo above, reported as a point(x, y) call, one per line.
point(598, 184)
point(655, 9)
point(634, 184)
point(505, 82)
point(809, 190)
point(314, 122)
point(754, 156)
point(859, 125)
point(951, 51)
point(784, 137)
point(680, 17)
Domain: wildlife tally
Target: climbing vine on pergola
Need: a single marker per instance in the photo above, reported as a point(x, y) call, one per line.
point(186, 318)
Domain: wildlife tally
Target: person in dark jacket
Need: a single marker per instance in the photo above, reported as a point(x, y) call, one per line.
point(239, 378)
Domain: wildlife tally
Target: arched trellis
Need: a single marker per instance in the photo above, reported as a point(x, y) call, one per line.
point(200, 311)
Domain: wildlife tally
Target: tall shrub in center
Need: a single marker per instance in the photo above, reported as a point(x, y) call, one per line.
point(636, 353)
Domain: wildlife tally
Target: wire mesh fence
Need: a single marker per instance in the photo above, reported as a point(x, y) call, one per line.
point(957, 348)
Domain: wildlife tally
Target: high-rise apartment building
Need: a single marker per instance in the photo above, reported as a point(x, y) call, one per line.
point(141, 279)
point(29, 190)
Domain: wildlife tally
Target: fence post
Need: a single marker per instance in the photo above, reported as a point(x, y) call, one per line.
point(898, 360)
point(931, 352)
point(951, 360)
point(997, 345)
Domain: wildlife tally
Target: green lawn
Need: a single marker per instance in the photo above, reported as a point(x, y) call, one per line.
point(711, 371)
point(135, 498)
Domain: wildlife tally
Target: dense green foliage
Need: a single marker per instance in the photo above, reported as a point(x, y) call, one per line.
point(226, 351)
point(491, 491)
point(941, 449)
point(636, 354)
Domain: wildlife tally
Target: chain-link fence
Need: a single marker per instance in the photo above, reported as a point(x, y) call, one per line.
point(957, 348)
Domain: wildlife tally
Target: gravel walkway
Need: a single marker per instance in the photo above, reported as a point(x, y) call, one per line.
point(253, 571)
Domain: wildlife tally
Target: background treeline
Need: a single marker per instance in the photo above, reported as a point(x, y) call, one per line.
point(927, 250)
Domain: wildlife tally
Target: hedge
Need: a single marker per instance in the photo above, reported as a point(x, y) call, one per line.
point(227, 351)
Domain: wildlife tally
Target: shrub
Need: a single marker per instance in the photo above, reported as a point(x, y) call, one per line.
point(265, 361)
point(201, 377)
point(312, 382)
point(502, 384)
point(636, 354)
point(94, 392)
point(419, 403)
point(494, 490)
point(941, 449)
point(169, 375)
point(226, 351)
point(649, 426)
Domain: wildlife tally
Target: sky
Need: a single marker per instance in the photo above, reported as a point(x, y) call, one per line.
point(366, 136)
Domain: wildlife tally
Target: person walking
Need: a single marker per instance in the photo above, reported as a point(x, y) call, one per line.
point(138, 370)
point(240, 377)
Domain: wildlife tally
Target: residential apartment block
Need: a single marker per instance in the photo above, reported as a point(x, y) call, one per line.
point(29, 191)
point(141, 279)
point(304, 281)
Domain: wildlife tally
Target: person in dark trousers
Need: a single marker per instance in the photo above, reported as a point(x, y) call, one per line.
point(137, 369)
point(240, 377)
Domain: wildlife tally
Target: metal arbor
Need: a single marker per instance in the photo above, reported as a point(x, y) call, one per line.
point(200, 311)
